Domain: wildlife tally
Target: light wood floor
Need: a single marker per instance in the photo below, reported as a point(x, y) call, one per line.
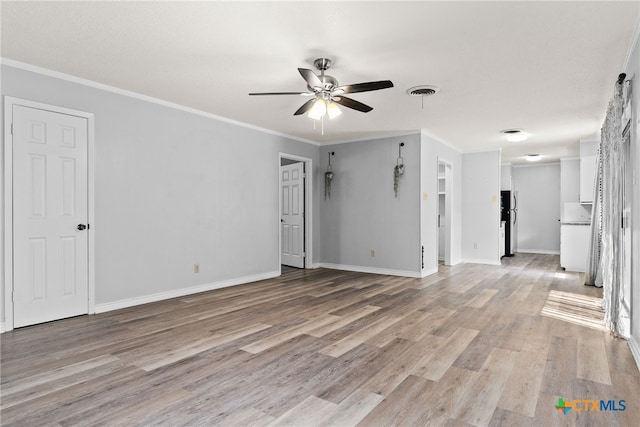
point(471, 345)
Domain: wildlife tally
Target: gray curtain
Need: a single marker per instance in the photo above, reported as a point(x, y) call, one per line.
point(605, 262)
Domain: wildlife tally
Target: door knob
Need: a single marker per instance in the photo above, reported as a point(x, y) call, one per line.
point(82, 227)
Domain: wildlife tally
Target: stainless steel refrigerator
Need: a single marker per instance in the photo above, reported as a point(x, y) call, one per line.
point(509, 214)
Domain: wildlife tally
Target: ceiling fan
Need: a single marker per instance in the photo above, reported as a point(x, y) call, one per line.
point(327, 94)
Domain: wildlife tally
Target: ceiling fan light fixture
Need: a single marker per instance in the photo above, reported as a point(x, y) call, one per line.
point(533, 157)
point(318, 110)
point(333, 110)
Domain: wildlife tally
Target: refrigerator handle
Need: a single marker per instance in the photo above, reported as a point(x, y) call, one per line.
point(515, 216)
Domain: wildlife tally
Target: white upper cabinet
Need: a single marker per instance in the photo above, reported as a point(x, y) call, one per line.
point(587, 178)
point(588, 151)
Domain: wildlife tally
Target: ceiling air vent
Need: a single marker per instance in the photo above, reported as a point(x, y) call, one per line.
point(422, 90)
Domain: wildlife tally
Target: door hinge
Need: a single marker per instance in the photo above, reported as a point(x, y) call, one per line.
point(304, 174)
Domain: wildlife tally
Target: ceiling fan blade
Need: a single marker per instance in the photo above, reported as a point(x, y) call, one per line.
point(363, 87)
point(352, 103)
point(305, 107)
point(310, 77)
point(283, 93)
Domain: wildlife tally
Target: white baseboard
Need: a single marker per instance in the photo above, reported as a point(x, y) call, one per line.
point(145, 299)
point(481, 261)
point(634, 345)
point(372, 270)
point(538, 251)
point(2, 330)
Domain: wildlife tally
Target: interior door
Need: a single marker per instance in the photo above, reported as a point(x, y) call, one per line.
point(50, 211)
point(292, 211)
point(627, 198)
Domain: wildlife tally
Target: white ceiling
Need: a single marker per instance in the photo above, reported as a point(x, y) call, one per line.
point(546, 67)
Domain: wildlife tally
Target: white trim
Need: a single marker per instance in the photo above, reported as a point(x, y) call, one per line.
point(634, 346)
point(424, 132)
point(135, 95)
point(488, 150)
point(146, 299)
point(539, 251)
point(372, 270)
point(308, 207)
point(2, 330)
point(8, 218)
point(372, 138)
point(535, 165)
point(9, 103)
point(481, 261)
point(426, 273)
point(634, 42)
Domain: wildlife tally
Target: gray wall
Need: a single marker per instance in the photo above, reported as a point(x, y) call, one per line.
point(481, 207)
point(363, 214)
point(173, 188)
point(505, 177)
point(538, 208)
point(432, 151)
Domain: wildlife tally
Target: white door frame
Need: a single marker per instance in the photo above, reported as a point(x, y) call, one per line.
point(9, 103)
point(308, 205)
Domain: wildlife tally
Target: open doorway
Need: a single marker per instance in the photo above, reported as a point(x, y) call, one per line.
point(445, 196)
point(294, 203)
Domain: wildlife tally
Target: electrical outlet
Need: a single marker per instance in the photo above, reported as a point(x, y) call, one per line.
point(475, 246)
point(373, 252)
point(196, 268)
point(425, 196)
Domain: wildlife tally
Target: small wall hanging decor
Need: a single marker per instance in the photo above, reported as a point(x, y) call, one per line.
point(328, 177)
point(398, 170)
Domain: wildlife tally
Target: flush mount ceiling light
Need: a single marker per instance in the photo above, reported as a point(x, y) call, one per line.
point(533, 157)
point(515, 135)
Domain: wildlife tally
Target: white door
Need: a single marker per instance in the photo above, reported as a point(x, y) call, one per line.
point(292, 211)
point(50, 209)
point(627, 198)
